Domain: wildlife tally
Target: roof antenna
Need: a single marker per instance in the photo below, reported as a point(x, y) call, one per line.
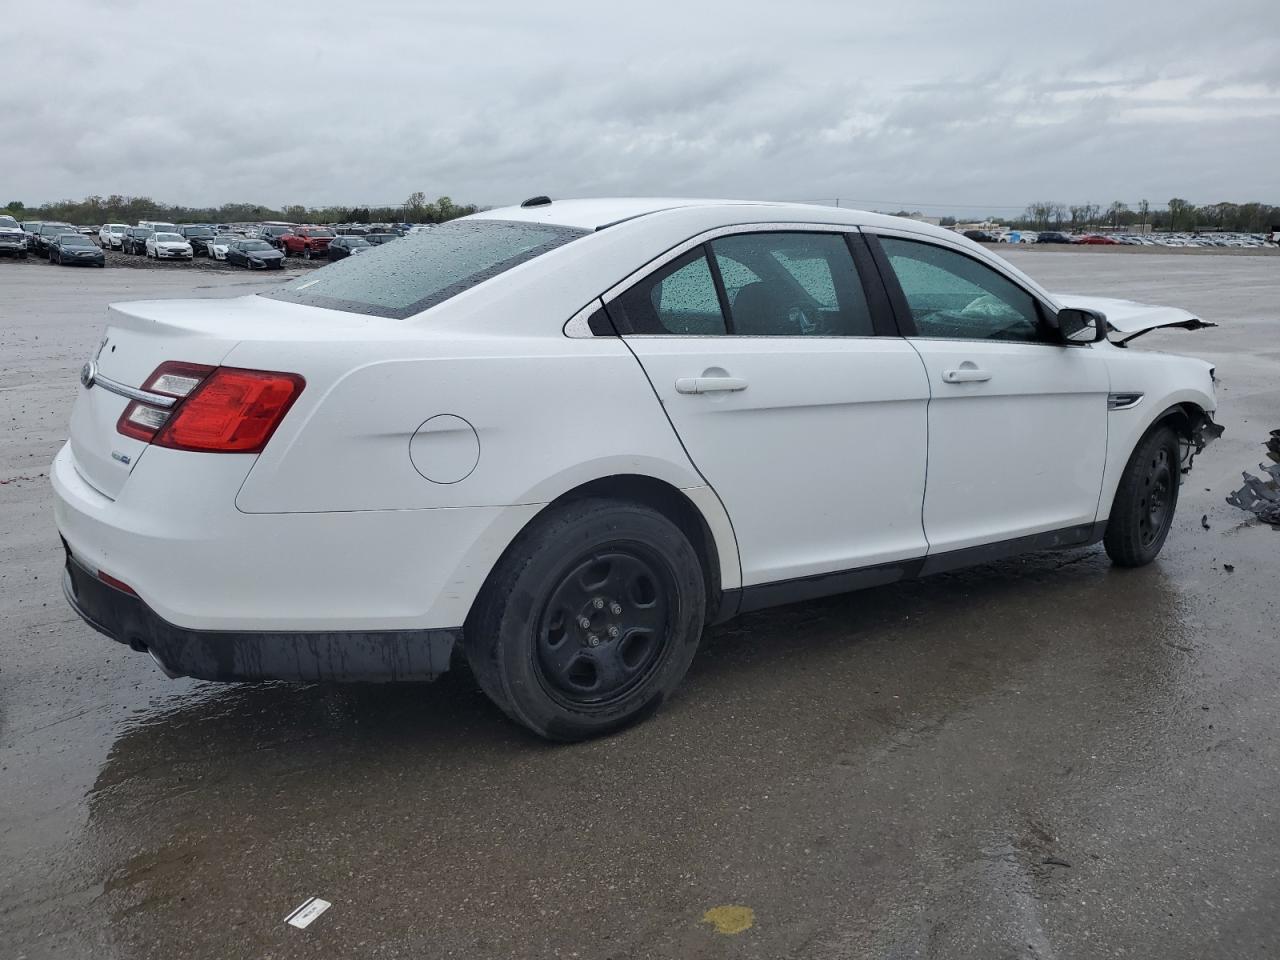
point(536, 202)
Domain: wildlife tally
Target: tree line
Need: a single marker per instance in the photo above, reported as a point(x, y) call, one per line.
point(1178, 216)
point(120, 209)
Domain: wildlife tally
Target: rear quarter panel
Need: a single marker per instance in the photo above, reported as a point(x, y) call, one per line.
point(550, 413)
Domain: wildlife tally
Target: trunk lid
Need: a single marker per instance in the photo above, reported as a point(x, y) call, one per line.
point(1132, 319)
point(134, 344)
point(141, 336)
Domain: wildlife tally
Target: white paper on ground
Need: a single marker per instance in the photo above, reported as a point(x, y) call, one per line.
point(302, 917)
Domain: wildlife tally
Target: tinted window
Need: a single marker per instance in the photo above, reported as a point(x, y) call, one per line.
point(679, 298)
point(792, 284)
point(955, 297)
point(428, 269)
point(202, 232)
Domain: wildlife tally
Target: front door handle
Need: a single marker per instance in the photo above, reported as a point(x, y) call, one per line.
point(966, 373)
point(694, 385)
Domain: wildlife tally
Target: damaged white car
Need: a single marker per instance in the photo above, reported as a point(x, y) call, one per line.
point(562, 438)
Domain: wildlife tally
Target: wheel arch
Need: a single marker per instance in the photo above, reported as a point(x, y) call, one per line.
point(697, 511)
point(1187, 411)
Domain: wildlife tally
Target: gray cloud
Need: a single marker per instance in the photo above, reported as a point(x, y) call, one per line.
point(919, 103)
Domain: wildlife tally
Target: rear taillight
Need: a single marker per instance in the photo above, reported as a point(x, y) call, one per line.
point(216, 409)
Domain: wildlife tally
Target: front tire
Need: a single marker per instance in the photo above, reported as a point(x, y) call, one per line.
point(590, 619)
point(1146, 499)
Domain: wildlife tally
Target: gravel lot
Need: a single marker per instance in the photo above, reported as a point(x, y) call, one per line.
point(1044, 757)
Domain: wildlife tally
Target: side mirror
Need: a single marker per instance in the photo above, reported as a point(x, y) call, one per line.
point(1077, 325)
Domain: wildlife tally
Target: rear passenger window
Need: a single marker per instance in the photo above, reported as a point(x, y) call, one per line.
point(792, 285)
point(775, 285)
point(680, 298)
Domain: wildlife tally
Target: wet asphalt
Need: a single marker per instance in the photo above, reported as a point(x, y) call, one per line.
point(1044, 757)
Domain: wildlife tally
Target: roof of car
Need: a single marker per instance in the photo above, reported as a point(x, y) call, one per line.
point(596, 214)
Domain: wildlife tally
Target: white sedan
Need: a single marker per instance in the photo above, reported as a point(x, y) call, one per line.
point(219, 244)
point(565, 437)
point(111, 236)
point(169, 246)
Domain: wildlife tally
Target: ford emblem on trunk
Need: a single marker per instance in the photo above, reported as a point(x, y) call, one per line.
point(88, 374)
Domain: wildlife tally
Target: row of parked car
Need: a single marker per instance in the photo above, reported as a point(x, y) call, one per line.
point(260, 246)
point(1239, 240)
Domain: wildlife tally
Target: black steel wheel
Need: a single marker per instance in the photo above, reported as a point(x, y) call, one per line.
point(589, 620)
point(1146, 500)
point(605, 626)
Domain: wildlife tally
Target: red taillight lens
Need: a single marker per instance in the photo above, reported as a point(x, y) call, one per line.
point(224, 409)
point(233, 411)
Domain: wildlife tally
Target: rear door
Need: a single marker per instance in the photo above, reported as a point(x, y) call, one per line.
point(805, 418)
point(1018, 419)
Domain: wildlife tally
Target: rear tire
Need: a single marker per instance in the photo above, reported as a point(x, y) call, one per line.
point(589, 621)
point(1146, 499)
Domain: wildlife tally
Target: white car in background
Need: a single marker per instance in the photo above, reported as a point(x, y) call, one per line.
point(169, 246)
point(565, 437)
point(111, 236)
point(219, 244)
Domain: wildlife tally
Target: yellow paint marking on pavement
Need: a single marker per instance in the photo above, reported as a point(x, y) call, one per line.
point(730, 919)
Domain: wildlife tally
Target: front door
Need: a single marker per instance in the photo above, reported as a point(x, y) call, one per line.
point(809, 426)
point(1017, 420)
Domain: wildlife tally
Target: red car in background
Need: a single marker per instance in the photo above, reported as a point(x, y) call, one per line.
point(306, 242)
point(1097, 238)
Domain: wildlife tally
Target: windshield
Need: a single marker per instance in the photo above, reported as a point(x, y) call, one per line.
point(55, 228)
point(224, 238)
point(428, 268)
point(74, 240)
point(168, 238)
point(201, 232)
point(321, 234)
point(256, 245)
point(354, 242)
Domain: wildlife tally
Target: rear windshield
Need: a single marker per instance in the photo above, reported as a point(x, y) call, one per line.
point(406, 277)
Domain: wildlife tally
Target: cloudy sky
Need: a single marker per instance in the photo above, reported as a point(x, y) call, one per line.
point(953, 106)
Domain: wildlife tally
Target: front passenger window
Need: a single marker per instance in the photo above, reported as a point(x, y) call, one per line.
point(952, 296)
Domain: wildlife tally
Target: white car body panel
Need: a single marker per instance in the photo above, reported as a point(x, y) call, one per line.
point(840, 453)
point(996, 464)
point(820, 461)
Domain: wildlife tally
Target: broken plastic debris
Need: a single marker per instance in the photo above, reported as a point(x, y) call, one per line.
point(305, 914)
point(1262, 497)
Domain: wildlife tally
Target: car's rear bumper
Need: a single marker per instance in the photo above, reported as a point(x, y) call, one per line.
point(227, 655)
point(175, 536)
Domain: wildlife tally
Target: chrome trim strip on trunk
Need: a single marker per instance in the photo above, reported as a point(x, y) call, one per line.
point(142, 396)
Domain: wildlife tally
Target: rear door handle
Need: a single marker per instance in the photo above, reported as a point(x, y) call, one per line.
point(695, 385)
point(967, 373)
